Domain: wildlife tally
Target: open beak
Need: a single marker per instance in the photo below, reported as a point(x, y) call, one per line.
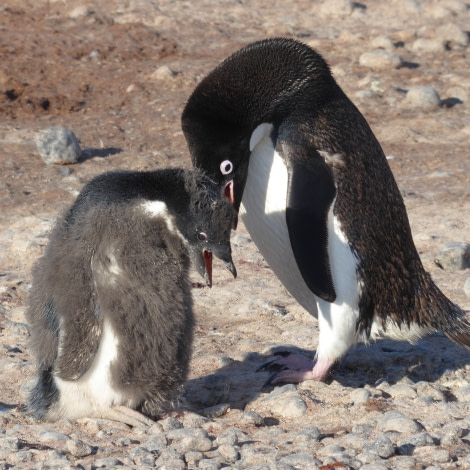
point(229, 195)
point(207, 256)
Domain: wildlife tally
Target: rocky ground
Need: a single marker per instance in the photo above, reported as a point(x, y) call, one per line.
point(118, 73)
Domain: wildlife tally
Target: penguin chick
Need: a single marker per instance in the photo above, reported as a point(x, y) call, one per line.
point(110, 309)
point(271, 126)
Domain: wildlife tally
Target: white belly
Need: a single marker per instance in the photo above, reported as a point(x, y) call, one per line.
point(263, 213)
point(94, 390)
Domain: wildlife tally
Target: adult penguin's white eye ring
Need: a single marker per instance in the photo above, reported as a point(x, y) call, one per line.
point(202, 236)
point(226, 167)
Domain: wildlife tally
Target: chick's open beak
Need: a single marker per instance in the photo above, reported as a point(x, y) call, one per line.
point(207, 256)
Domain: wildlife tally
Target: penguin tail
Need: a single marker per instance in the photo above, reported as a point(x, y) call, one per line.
point(456, 325)
point(461, 338)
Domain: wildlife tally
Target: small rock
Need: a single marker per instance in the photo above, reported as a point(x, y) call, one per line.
point(79, 12)
point(359, 396)
point(23, 456)
point(452, 35)
point(383, 42)
point(195, 443)
point(107, 462)
point(455, 256)
point(230, 436)
point(78, 448)
point(53, 436)
point(428, 45)
point(291, 406)
point(425, 98)
point(396, 421)
point(9, 443)
point(170, 423)
point(228, 452)
point(408, 445)
point(58, 145)
point(302, 460)
point(380, 60)
point(310, 434)
point(216, 411)
point(431, 455)
point(163, 72)
point(463, 394)
point(402, 391)
point(466, 287)
point(425, 389)
point(382, 446)
point(193, 458)
point(337, 8)
point(252, 417)
point(211, 464)
point(178, 434)
point(168, 461)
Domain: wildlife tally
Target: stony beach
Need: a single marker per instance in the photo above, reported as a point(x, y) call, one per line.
point(118, 75)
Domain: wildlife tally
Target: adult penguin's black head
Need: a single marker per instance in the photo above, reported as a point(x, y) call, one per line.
point(265, 82)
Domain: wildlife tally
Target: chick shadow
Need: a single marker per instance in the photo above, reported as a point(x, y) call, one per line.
point(238, 383)
point(89, 153)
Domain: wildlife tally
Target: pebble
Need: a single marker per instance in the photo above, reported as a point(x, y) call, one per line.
point(396, 421)
point(402, 391)
point(452, 35)
point(455, 256)
point(337, 8)
point(163, 73)
point(380, 59)
point(423, 97)
point(382, 446)
point(78, 448)
point(360, 396)
point(428, 45)
point(463, 394)
point(466, 287)
point(58, 145)
point(107, 462)
point(291, 406)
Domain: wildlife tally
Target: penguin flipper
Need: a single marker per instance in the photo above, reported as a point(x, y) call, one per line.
point(79, 345)
point(310, 193)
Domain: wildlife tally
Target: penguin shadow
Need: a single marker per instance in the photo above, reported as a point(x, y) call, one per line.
point(429, 360)
point(238, 383)
point(89, 153)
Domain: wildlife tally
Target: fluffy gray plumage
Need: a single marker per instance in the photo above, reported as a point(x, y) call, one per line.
point(110, 310)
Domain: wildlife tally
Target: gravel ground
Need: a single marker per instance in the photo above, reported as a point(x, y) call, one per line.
point(118, 74)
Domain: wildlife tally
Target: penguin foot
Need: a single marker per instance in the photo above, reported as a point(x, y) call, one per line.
point(295, 368)
point(126, 415)
point(287, 361)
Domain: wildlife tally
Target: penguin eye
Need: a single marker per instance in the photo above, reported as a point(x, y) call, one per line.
point(226, 167)
point(202, 236)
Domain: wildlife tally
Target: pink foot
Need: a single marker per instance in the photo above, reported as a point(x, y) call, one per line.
point(296, 368)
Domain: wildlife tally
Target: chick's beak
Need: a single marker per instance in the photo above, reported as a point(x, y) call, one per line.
point(207, 256)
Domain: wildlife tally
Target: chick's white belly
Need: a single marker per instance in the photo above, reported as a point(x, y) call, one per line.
point(263, 213)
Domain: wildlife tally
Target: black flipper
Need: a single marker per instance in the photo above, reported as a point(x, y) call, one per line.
point(310, 193)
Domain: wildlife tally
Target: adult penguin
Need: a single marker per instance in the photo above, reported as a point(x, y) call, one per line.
point(110, 309)
point(272, 127)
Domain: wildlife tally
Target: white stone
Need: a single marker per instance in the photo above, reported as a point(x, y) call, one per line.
point(428, 45)
point(163, 72)
point(423, 97)
point(380, 60)
point(337, 8)
point(453, 34)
